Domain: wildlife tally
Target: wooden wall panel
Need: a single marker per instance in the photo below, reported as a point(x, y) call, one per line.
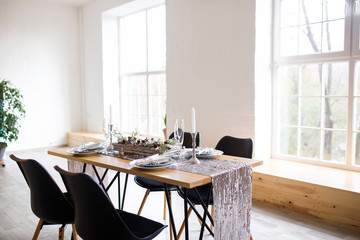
point(332, 205)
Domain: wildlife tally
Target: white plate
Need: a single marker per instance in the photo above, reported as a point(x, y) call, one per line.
point(140, 164)
point(83, 153)
point(211, 154)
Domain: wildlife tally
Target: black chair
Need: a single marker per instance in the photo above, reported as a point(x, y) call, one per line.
point(95, 216)
point(155, 186)
point(48, 202)
point(238, 147)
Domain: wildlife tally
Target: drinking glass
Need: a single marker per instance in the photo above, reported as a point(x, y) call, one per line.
point(107, 131)
point(179, 129)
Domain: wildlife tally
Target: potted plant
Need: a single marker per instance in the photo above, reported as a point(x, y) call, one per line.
point(11, 111)
point(164, 129)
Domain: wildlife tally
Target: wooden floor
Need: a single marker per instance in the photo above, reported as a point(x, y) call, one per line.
point(18, 222)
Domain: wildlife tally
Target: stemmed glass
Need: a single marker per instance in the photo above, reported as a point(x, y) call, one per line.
point(179, 129)
point(107, 130)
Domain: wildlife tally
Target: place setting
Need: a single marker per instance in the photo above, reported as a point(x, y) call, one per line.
point(87, 149)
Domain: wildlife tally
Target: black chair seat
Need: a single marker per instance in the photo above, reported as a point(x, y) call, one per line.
point(95, 216)
point(203, 192)
point(152, 184)
point(48, 202)
point(142, 226)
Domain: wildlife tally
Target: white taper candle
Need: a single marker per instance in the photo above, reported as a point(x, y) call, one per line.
point(110, 115)
point(193, 120)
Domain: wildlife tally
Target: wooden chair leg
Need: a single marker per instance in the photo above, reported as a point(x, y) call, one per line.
point(183, 223)
point(200, 222)
point(75, 236)
point(164, 205)
point(212, 215)
point(171, 229)
point(61, 232)
point(143, 201)
point(251, 238)
point(37, 230)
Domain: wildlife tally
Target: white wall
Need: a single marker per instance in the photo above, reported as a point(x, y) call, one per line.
point(210, 65)
point(93, 74)
point(39, 49)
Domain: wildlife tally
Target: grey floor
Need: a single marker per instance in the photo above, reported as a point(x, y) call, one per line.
point(18, 222)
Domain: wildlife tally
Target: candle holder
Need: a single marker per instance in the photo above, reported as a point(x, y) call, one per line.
point(110, 147)
point(194, 159)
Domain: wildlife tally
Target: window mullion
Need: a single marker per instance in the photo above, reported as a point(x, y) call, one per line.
point(147, 74)
point(299, 111)
point(349, 149)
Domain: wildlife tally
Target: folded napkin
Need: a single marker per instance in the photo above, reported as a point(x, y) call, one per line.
point(88, 147)
point(154, 160)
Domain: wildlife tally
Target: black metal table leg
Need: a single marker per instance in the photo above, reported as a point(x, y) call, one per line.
point(196, 211)
point(84, 168)
point(170, 211)
point(124, 192)
point(185, 215)
point(98, 177)
point(205, 213)
point(119, 197)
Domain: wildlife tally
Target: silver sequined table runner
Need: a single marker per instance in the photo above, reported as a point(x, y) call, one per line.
point(232, 189)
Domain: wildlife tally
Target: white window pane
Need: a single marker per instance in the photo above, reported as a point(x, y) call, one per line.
point(310, 80)
point(141, 85)
point(289, 41)
point(133, 43)
point(311, 111)
point(335, 112)
point(156, 39)
point(142, 105)
point(289, 13)
point(336, 77)
point(133, 104)
point(288, 141)
point(335, 9)
point(310, 11)
point(356, 147)
point(143, 50)
point(310, 143)
point(155, 125)
point(125, 86)
point(356, 123)
point(287, 81)
point(333, 36)
point(288, 110)
point(357, 80)
point(142, 124)
point(157, 85)
point(334, 146)
point(310, 39)
point(154, 105)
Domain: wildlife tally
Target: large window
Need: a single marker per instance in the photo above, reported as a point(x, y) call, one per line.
point(142, 71)
point(316, 79)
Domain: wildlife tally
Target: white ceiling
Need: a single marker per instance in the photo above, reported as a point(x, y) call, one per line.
point(71, 2)
point(67, 2)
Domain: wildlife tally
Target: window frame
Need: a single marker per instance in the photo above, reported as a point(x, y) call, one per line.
point(351, 55)
point(145, 73)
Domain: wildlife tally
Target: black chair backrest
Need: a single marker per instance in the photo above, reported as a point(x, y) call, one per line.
point(239, 147)
point(188, 139)
point(47, 200)
point(95, 215)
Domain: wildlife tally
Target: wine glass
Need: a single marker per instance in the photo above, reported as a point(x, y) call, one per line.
point(179, 129)
point(105, 128)
point(107, 131)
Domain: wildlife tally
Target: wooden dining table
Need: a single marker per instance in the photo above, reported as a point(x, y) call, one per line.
point(175, 177)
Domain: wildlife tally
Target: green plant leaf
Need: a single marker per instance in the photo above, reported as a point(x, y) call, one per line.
point(12, 110)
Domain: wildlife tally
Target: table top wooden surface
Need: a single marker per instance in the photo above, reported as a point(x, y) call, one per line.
point(166, 175)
